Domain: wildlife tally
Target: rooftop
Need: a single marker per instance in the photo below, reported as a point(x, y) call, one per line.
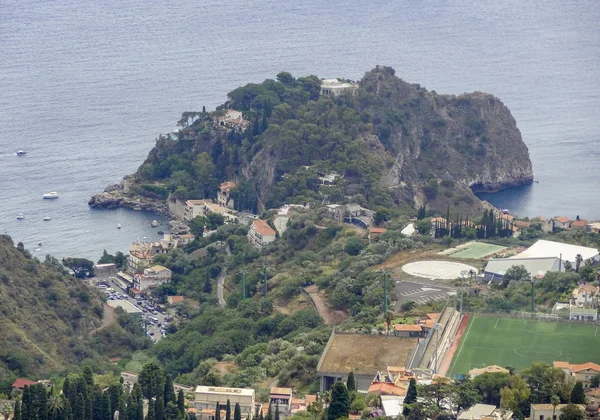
point(281, 391)
point(376, 352)
point(127, 306)
point(194, 202)
point(568, 252)
point(477, 411)
point(158, 268)
point(263, 228)
point(562, 219)
point(176, 299)
point(386, 388)
point(22, 383)
point(408, 327)
point(377, 230)
point(224, 390)
point(534, 266)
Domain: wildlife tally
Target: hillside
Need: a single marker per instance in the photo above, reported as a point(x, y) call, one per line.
point(390, 142)
point(45, 314)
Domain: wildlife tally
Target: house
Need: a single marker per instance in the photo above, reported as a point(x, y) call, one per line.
point(547, 224)
point(579, 224)
point(282, 398)
point(409, 230)
point(583, 314)
point(152, 277)
point(193, 209)
point(224, 194)
point(141, 254)
point(260, 234)
point(173, 300)
point(392, 406)
point(228, 214)
point(393, 382)
point(485, 411)
point(336, 211)
point(232, 119)
point(497, 267)
point(561, 223)
point(105, 270)
point(207, 397)
point(334, 87)
point(409, 330)
point(329, 179)
point(585, 296)
point(20, 383)
point(548, 411)
point(593, 227)
point(488, 369)
point(353, 210)
point(373, 232)
point(566, 252)
point(579, 372)
point(340, 356)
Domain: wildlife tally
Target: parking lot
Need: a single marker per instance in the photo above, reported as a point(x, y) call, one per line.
point(421, 293)
point(150, 310)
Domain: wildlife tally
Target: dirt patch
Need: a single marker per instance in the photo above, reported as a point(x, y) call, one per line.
point(330, 317)
point(225, 367)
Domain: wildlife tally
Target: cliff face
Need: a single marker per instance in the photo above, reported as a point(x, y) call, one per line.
point(471, 139)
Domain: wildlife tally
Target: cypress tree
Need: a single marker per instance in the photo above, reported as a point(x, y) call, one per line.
point(180, 402)
point(89, 377)
point(151, 410)
point(228, 410)
point(340, 402)
point(277, 410)
point(237, 412)
point(79, 411)
point(115, 392)
point(269, 415)
point(67, 411)
point(159, 410)
point(351, 382)
point(140, 411)
point(96, 406)
point(411, 396)
point(26, 403)
point(132, 410)
point(169, 394)
point(218, 412)
point(122, 408)
point(17, 413)
point(41, 402)
point(578, 394)
point(106, 407)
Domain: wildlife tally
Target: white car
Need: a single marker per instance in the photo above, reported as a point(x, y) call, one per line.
point(102, 286)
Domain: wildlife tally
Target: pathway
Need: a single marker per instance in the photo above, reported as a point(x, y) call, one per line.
point(329, 317)
point(221, 280)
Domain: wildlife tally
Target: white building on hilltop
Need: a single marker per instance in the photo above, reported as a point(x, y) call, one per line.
point(566, 252)
point(333, 87)
point(207, 397)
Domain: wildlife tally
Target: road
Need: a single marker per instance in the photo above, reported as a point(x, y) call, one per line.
point(221, 281)
point(144, 305)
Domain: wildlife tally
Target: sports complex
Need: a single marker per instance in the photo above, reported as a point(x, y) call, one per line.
point(516, 342)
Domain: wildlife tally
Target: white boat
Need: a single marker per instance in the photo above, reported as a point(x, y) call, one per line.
point(154, 223)
point(20, 217)
point(21, 153)
point(118, 226)
point(47, 219)
point(50, 195)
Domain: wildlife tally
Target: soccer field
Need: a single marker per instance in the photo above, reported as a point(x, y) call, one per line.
point(519, 342)
point(477, 250)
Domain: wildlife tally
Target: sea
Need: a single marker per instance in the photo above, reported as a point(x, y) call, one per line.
point(87, 86)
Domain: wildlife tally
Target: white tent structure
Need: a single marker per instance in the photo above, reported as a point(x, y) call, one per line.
point(566, 252)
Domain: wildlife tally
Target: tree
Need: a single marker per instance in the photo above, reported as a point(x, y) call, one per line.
point(388, 317)
point(554, 400)
point(89, 378)
point(106, 408)
point(516, 273)
point(351, 383)
point(56, 404)
point(408, 305)
point(578, 394)
point(424, 226)
point(411, 396)
point(151, 381)
point(340, 402)
point(218, 412)
point(181, 402)
point(152, 411)
point(512, 395)
point(354, 245)
point(79, 411)
point(595, 381)
point(237, 412)
point(571, 412)
point(169, 394)
point(17, 412)
point(172, 412)
point(159, 410)
point(228, 410)
point(578, 261)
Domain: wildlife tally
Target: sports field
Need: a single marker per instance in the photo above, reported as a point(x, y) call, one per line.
point(474, 250)
point(518, 343)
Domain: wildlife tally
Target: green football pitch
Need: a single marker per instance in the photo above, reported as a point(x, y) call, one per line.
point(477, 250)
point(519, 342)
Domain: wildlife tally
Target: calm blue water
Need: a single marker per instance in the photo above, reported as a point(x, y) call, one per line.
point(85, 88)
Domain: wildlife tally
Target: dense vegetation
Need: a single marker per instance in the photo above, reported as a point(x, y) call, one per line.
point(387, 143)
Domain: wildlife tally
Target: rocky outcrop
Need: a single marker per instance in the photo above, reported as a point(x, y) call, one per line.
point(113, 198)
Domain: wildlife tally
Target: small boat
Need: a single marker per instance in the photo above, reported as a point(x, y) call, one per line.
point(21, 153)
point(20, 217)
point(137, 208)
point(118, 226)
point(50, 195)
point(154, 223)
point(47, 219)
point(40, 244)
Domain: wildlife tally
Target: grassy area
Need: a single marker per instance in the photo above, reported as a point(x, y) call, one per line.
point(518, 343)
point(476, 250)
point(399, 320)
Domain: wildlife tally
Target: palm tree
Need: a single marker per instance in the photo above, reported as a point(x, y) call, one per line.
point(388, 317)
point(554, 400)
point(56, 404)
point(578, 260)
point(6, 411)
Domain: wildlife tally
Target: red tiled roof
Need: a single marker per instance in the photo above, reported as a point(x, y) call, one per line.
point(384, 388)
point(22, 383)
point(584, 366)
point(579, 223)
point(377, 230)
point(263, 228)
point(176, 299)
point(562, 219)
point(227, 186)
